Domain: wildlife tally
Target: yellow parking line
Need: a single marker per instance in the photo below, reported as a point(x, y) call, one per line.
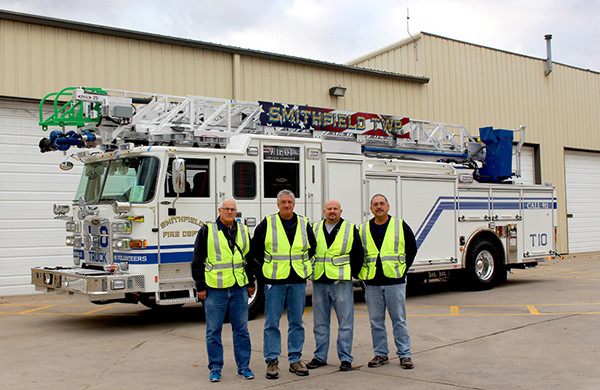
point(36, 309)
point(97, 310)
point(454, 310)
point(532, 309)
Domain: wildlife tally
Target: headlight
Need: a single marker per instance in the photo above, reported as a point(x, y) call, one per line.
point(73, 241)
point(122, 243)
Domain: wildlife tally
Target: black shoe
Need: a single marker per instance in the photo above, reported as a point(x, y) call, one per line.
point(346, 366)
point(315, 363)
point(406, 363)
point(378, 361)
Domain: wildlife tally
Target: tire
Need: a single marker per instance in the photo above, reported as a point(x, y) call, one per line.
point(483, 265)
point(256, 303)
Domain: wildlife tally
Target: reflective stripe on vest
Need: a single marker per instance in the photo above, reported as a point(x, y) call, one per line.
point(334, 261)
point(392, 252)
point(224, 267)
point(280, 256)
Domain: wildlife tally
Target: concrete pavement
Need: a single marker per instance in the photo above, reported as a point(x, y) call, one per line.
point(541, 330)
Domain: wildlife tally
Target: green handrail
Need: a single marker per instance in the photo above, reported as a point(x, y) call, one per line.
point(70, 113)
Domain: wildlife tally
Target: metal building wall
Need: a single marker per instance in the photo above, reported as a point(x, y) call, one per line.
point(478, 86)
point(37, 60)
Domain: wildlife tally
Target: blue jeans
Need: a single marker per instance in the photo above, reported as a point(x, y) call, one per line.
point(218, 302)
point(292, 297)
point(341, 296)
point(392, 297)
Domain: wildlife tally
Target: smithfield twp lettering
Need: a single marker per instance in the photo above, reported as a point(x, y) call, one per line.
point(182, 219)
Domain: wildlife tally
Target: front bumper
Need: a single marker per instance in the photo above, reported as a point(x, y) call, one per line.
point(91, 283)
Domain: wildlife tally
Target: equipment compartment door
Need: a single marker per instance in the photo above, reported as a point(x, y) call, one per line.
point(429, 208)
point(386, 186)
point(344, 183)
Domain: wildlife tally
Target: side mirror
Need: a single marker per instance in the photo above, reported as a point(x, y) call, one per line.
point(178, 175)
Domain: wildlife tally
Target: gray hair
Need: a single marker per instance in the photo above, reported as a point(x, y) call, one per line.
point(228, 199)
point(376, 195)
point(286, 192)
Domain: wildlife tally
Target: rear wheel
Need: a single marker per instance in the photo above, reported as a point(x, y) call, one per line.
point(483, 265)
point(256, 302)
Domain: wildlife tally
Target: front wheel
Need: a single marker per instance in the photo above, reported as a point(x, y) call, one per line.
point(483, 265)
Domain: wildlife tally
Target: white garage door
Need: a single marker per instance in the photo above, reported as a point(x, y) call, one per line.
point(30, 183)
point(583, 200)
point(527, 164)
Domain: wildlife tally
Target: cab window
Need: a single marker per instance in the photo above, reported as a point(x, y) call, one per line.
point(197, 173)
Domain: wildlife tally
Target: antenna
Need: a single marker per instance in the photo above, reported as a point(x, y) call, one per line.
point(408, 31)
point(407, 22)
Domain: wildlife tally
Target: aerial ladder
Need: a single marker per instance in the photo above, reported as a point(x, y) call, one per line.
point(108, 119)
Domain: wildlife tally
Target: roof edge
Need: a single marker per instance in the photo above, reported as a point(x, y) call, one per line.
point(131, 34)
point(391, 46)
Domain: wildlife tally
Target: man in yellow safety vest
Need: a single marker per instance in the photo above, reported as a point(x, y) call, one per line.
point(224, 282)
point(390, 248)
point(338, 257)
point(282, 247)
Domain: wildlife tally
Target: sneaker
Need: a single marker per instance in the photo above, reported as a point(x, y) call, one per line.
point(378, 361)
point(406, 363)
point(315, 363)
point(246, 373)
point(215, 376)
point(299, 368)
point(272, 370)
point(345, 366)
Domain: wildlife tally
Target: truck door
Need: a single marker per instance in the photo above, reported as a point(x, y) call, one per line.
point(242, 185)
point(282, 169)
point(181, 218)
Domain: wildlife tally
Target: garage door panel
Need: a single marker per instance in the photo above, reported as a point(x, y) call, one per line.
point(583, 200)
point(527, 164)
point(30, 182)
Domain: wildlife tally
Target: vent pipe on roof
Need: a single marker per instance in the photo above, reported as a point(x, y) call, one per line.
point(548, 54)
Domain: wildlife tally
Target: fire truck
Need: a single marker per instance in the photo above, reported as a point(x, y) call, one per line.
point(156, 168)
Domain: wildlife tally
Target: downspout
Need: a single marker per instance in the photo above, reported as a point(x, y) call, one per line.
point(548, 54)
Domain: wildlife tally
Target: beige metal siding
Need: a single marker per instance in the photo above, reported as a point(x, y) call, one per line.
point(263, 79)
point(478, 86)
point(37, 60)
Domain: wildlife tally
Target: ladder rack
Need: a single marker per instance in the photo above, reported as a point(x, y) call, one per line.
point(106, 118)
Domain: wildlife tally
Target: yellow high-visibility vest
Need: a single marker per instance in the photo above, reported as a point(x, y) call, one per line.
point(280, 256)
point(335, 260)
point(224, 268)
point(392, 252)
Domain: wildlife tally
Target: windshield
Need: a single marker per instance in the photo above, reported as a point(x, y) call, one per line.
point(124, 179)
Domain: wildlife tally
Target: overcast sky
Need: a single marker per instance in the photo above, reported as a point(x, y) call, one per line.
point(341, 30)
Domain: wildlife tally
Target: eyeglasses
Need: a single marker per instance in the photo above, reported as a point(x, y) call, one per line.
point(227, 209)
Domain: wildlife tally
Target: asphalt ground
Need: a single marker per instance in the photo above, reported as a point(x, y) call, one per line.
point(541, 330)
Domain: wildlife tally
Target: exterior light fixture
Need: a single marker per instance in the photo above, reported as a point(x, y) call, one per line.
point(337, 91)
